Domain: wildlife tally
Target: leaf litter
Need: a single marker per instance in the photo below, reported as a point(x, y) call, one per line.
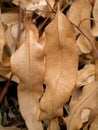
point(49, 55)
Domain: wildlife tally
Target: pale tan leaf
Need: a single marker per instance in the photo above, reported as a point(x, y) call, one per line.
point(9, 18)
point(34, 5)
point(42, 40)
point(27, 64)
point(54, 125)
point(96, 69)
point(4, 70)
point(86, 127)
point(8, 128)
point(61, 60)
point(2, 40)
point(84, 11)
point(87, 100)
point(62, 3)
point(29, 107)
point(85, 115)
point(94, 124)
point(95, 14)
point(86, 75)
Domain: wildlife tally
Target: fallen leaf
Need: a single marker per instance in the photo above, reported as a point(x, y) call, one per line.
point(94, 124)
point(85, 115)
point(87, 100)
point(27, 64)
point(96, 69)
point(54, 125)
point(95, 14)
point(84, 11)
point(2, 40)
point(86, 75)
point(9, 18)
point(33, 5)
point(61, 60)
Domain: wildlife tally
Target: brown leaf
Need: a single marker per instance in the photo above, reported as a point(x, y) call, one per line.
point(95, 14)
point(27, 63)
point(9, 18)
point(2, 40)
point(54, 125)
point(84, 11)
point(86, 75)
point(61, 60)
point(87, 100)
point(34, 5)
point(96, 69)
point(94, 124)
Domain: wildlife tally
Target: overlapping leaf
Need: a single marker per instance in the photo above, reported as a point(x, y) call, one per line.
point(84, 11)
point(28, 64)
point(86, 75)
point(61, 60)
point(88, 100)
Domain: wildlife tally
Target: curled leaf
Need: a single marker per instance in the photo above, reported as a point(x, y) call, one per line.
point(61, 63)
point(84, 11)
point(85, 75)
point(88, 100)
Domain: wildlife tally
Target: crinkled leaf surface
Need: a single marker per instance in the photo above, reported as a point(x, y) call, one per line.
point(61, 60)
point(28, 64)
point(87, 100)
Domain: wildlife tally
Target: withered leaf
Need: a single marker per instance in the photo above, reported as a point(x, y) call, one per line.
point(2, 40)
point(84, 11)
point(85, 75)
point(95, 14)
point(96, 69)
point(54, 125)
point(61, 63)
point(87, 100)
point(94, 124)
point(28, 64)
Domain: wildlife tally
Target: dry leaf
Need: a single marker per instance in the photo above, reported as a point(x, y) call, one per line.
point(86, 75)
point(85, 115)
point(61, 60)
point(33, 5)
point(28, 64)
point(96, 69)
point(87, 100)
point(9, 18)
point(95, 14)
point(84, 11)
point(2, 40)
point(54, 125)
point(94, 124)
point(42, 40)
